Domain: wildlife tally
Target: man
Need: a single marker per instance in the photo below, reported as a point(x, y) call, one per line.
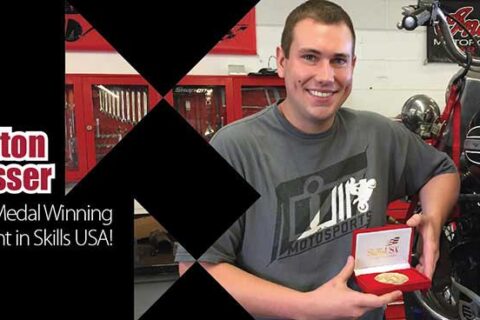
point(322, 172)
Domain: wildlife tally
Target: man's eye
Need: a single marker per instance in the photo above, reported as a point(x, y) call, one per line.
point(309, 57)
point(340, 61)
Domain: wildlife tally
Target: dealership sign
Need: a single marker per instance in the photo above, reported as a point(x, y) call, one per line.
point(467, 13)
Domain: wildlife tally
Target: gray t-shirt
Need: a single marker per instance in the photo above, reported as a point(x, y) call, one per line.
point(315, 190)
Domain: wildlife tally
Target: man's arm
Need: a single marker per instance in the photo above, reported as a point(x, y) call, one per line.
point(438, 197)
point(333, 300)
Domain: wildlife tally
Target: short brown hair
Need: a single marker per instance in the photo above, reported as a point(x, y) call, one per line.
point(319, 10)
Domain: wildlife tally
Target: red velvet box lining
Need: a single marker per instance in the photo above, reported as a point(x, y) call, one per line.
point(416, 281)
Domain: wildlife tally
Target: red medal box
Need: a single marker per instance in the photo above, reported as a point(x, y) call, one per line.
point(385, 249)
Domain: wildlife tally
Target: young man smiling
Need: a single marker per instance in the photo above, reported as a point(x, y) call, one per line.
point(322, 171)
point(317, 67)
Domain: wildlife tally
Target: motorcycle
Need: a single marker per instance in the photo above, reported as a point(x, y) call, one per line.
point(455, 291)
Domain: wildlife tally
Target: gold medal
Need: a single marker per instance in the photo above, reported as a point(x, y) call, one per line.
point(391, 278)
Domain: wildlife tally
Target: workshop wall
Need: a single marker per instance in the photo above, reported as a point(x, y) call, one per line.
point(391, 63)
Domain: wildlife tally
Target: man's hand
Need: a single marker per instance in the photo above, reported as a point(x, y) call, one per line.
point(438, 197)
point(335, 300)
point(430, 251)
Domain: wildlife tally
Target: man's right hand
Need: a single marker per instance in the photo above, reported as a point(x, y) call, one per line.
point(335, 300)
point(262, 298)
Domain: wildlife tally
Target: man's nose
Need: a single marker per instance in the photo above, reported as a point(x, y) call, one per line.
point(324, 72)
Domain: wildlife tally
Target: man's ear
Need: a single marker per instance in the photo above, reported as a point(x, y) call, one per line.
point(354, 61)
point(280, 62)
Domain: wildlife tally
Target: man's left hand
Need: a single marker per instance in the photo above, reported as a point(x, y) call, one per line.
point(430, 251)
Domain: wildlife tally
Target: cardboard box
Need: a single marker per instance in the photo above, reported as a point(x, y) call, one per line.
point(385, 249)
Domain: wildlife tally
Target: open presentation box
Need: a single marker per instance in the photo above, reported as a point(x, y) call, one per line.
point(385, 250)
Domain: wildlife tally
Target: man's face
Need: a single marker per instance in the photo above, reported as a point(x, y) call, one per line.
point(318, 74)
